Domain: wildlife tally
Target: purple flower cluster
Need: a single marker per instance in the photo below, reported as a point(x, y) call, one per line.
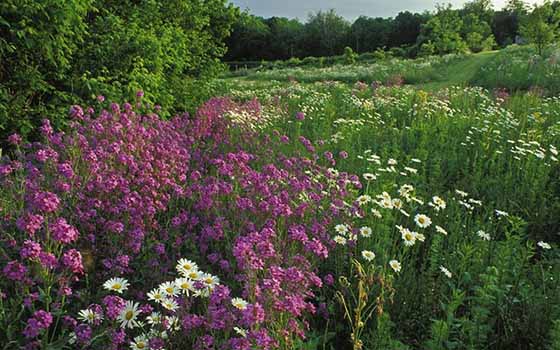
point(127, 193)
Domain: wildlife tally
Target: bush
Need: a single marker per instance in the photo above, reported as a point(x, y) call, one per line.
point(50, 60)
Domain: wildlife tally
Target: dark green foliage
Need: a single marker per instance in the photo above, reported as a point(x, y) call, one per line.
point(55, 53)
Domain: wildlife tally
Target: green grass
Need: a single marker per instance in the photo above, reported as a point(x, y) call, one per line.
point(461, 73)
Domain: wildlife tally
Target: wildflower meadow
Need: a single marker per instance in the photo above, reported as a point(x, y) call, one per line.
point(379, 204)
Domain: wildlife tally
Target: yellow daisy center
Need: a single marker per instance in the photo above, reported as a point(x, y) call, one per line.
point(129, 314)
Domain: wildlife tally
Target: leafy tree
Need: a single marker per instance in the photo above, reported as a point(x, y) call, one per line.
point(443, 31)
point(541, 26)
point(55, 53)
point(326, 33)
point(405, 28)
point(249, 39)
point(285, 36)
point(368, 34)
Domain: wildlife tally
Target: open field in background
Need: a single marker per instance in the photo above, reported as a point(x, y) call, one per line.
point(514, 68)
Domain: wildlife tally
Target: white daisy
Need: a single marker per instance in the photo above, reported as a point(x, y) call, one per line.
point(376, 213)
point(185, 266)
point(155, 295)
point(127, 317)
point(169, 289)
point(363, 199)
point(408, 236)
point(341, 229)
point(185, 285)
point(154, 318)
point(422, 220)
point(368, 255)
point(139, 343)
point(239, 303)
point(369, 177)
point(544, 245)
point(365, 231)
point(89, 316)
point(339, 240)
point(116, 284)
point(169, 304)
point(395, 265)
point(438, 203)
point(194, 275)
point(210, 280)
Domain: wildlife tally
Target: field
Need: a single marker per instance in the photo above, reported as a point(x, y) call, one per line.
point(391, 205)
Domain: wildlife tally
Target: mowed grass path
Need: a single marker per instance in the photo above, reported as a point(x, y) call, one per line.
point(461, 73)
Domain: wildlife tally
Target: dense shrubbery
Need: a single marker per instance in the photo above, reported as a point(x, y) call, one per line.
point(57, 53)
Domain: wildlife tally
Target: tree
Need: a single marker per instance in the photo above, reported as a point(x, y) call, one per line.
point(249, 39)
point(368, 34)
point(285, 35)
point(326, 33)
point(540, 26)
point(443, 32)
point(405, 28)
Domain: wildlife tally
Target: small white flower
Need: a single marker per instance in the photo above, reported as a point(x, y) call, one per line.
point(446, 271)
point(169, 304)
point(422, 220)
point(438, 203)
point(185, 266)
point(239, 303)
point(363, 199)
point(408, 237)
point(544, 245)
point(341, 229)
point(501, 213)
point(395, 265)
point(116, 284)
point(420, 237)
point(89, 316)
point(441, 230)
point(210, 280)
point(127, 317)
point(155, 295)
point(185, 285)
point(340, 240)
point(242, 332)
point(368, 255)
point(154, 318)
point(369, 177)
point(376, 213)
point(365, 231)
point(485, 236)
point(139, 343)
point(461, 193)
point(169, 289)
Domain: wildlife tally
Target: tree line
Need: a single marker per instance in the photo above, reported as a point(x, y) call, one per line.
point(475, 27)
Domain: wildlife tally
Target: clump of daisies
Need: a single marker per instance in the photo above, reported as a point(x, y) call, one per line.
point(142, 323)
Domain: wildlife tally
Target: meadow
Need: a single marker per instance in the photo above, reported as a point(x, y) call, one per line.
point(391, 205)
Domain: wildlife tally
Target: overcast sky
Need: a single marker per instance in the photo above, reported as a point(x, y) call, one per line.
point(351, 9)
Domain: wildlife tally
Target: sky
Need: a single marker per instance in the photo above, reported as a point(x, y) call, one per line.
point(350, 9)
